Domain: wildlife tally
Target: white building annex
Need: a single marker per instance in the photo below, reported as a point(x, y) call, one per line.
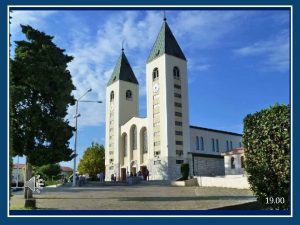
point(163, 140)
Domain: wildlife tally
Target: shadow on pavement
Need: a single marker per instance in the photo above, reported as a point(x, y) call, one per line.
point(245, 206)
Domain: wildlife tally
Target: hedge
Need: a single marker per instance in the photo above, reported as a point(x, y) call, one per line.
point(266, 139)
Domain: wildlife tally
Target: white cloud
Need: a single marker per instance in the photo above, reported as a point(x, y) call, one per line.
point(274, 52)
point(95, 58)
point(96, 48)
point(33, 18)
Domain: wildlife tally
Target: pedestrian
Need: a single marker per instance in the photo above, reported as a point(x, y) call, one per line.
point(101, 177)
point(115, 178)
point(112, 178)
point(98, 176)
point(147, 174)
point(127, 174)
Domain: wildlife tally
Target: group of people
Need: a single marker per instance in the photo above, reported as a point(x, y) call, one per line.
point(142, 175)
point(100, 176)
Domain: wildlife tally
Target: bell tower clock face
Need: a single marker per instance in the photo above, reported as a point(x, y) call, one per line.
point(155, 88)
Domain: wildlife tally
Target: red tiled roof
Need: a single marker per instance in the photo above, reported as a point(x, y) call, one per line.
point(65, 169)
point(234, 151)
point(21, 166)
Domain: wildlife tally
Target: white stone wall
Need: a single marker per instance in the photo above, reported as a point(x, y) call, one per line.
point(165, 65)
point(234, 181)
point(123, 110)
point(238, 170)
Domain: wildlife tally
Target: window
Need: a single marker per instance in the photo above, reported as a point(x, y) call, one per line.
point(242, 162)
point(156, 153)
point(178, 104)
point(232, 163)
point(179, 142)
point(240, 144)
point(112, 96)
point(155, 74)
point(128, 95)
point(217, 144)
point(213, 144)
point(227, 145)
point(179, 152)
point(197, 143)
point(125, 144)
point(202, 144)
point(178, 133)
point(145, 141)
point(178, 114)
point(177, 95)
point(134, 137)
point(179, 161)
point(177, 86)
point(231, 145)
point(156, 143)
point(176, 73)
point(178, 123)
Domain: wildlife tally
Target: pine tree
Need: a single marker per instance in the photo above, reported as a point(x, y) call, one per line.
point(40, 93)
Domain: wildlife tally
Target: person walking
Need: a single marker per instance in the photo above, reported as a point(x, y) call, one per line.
point(112, 177)
point(147, 174)
point(101, 177)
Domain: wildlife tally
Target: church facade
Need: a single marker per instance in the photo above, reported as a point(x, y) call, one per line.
point(163, 140)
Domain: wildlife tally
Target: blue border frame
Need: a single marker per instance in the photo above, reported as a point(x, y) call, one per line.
point(152, 212)
point(3, 111)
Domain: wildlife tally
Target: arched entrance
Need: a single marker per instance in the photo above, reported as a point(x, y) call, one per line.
point(133, 167)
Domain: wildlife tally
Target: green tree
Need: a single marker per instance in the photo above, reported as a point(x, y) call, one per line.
point(48, 171)
point(92, 161)
point(267, 142)
point(40, 93)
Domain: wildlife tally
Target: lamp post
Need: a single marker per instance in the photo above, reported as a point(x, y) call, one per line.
point(75, 143)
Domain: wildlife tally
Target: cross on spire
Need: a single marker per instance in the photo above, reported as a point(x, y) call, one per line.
point(165, 18)
point(122, 46)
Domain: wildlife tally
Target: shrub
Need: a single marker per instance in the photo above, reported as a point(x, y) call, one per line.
point(185, 169)
point(267, 155)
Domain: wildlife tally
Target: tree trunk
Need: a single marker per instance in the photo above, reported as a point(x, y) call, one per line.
point(29, 200)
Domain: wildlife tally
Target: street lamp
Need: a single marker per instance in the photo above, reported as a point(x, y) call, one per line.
point(75, 144)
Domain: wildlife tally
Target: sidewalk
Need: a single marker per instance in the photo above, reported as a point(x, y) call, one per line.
point(141, 196)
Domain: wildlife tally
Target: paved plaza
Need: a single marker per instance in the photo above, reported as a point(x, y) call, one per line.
point(141, 196)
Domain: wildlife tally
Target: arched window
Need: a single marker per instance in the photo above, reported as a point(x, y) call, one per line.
point(145, 147)
point(176, 73)
point(112, 96)
point(197, 143)
point(125, 144)
point(155, 74)
point(242, 162)
point(128, 95)
point(134, 137)
point(202, 144)
point(232, 163)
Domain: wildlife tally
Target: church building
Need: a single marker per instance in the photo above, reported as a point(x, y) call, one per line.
point(164, 139)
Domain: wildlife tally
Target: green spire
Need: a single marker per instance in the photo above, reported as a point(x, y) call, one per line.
point(122, 71)
point(165, 44)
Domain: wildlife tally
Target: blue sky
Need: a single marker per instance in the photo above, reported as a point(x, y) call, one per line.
point(238, 60)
